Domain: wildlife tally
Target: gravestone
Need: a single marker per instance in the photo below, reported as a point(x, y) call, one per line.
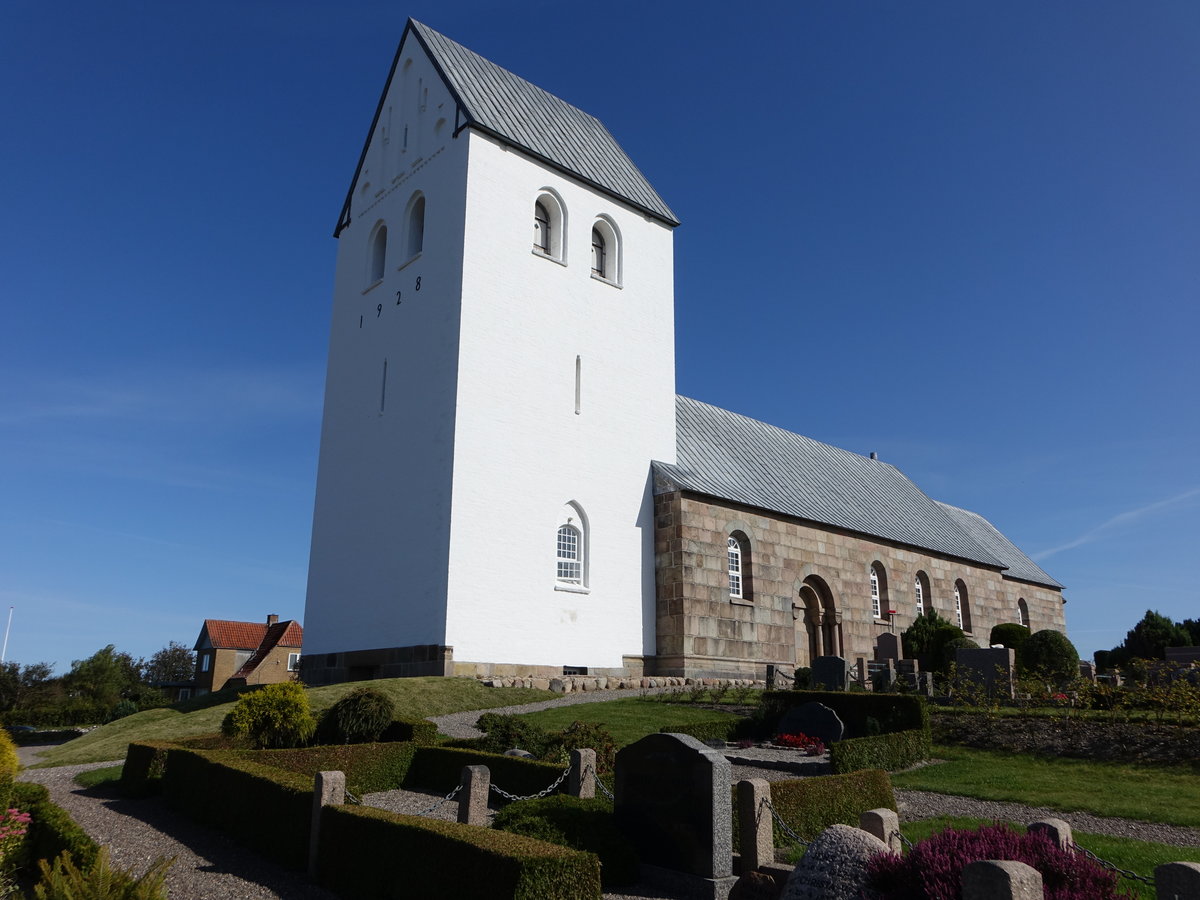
point(908, 671)
point(1087, 670)
point(829, 673)
point(814, 719)
point(887, 675)
point(993, 668)
point(887, 646)
point(672, 800)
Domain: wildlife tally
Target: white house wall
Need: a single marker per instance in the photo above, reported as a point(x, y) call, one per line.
point(378, 569)
point(521, 452)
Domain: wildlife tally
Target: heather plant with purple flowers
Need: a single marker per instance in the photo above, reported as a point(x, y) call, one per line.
point(13, 826)
point(932, 870)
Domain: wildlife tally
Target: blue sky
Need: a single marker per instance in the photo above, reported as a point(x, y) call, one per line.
point(964, 236)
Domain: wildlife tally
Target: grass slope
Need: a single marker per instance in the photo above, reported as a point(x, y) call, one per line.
point(1134, 856)
point(627, 720)
point(414, 698)
point(1146, 793)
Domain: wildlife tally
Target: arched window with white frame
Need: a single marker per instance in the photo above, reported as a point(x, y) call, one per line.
point(571, 550)
point(1022, 612)
point(549, 226)
point(606, 251)
point(962, 606)
point(878, 590)
point(738, 566)
point(921, 592)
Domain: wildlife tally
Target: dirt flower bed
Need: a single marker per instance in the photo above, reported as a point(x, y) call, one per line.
point(1082, 738)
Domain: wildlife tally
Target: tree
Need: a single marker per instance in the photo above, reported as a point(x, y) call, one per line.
point(1149, 638)
point(105, 677)
point(1192, 626)
point(172, 663)
point(918, 637)
point(21, 684)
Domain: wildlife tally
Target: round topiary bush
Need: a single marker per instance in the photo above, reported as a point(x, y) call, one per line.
point(1010, 635)
point(932, 870)
point(361, 716)
point(950, 651)
point(278, 715)
point(1049, 653)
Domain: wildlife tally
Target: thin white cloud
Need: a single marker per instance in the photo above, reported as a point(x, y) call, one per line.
point(1126, 518)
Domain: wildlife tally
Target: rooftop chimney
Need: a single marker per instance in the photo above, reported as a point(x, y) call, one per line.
point(874, 455)
point(272, 620)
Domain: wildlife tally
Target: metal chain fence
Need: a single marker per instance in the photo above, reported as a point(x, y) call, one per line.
point(784, 825)
point(1112, 867)
point(600, 784)
point(543, 793)
point(905, 841)
point(350, 798)
point(437, 803)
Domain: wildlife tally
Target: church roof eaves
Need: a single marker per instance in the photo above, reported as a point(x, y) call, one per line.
point(511, 109)
point(733, 457)
point(1017, 564)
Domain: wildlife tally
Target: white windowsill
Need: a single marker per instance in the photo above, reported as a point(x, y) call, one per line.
point(573, 588)
point(540, 254)
point(604, 280)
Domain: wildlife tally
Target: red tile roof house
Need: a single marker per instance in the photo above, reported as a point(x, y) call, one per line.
point(240, 653)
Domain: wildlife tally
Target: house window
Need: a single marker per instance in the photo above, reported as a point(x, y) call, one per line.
point(570, 555)
point(416, 225)
point(293, 662)
point(205, 661)
point(541, 227)
point(185, 694)
point(378, 253)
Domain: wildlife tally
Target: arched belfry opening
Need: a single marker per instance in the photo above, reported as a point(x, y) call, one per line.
point(818, 622)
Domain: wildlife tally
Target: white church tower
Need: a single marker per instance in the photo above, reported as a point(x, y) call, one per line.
point(501, 375)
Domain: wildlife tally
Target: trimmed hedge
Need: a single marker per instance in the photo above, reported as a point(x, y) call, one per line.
point(264, 808)
point(432, 858)
point(810, 805)
point(368, 767)
point(578, 823)
point(51, 828)
point(419, 731)
point(440, 769)
point(706, 730)
point(890, 752)
point(892, 712)
point(145, 762)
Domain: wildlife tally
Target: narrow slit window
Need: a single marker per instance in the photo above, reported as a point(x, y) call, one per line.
point(541, 227)
point(599, 254)
point(735, 567)
point(578, 383)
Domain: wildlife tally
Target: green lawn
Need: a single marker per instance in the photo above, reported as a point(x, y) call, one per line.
point(414, 698)
point(1135, 856)
point(93, 777)
point(1150, 794)
point(626, 720)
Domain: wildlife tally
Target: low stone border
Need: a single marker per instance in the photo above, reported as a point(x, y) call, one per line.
point(566, 684)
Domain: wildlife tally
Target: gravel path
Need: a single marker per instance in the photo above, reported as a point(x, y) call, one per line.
point(208, 866)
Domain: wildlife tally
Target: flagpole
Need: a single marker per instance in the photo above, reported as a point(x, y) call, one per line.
point(7, 629)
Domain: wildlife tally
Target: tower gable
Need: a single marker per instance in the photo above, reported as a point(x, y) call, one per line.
point(494, 101)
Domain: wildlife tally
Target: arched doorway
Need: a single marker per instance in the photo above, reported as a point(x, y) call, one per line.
point(819, 624)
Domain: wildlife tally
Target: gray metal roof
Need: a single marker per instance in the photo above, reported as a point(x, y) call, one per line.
point(1018, 565)
point(725, 455)
point(521, 114)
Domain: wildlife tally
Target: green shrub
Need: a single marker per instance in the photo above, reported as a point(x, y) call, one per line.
point(263, 808)
point(1050, 653)
point(51, 829)
point(893, 712)
point(916, 640)
point(125, 707)
point(939, 654)
point(579, 824)
point(810, 805)
point(508, 732)
point(1010, 635)
point(432, 858)
point(890, 752)
point(9, 765)
point(99, 881)
point(440, 769)
point(361, 716)
point(276, 716)
point(802, 678)
point(585, 736)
